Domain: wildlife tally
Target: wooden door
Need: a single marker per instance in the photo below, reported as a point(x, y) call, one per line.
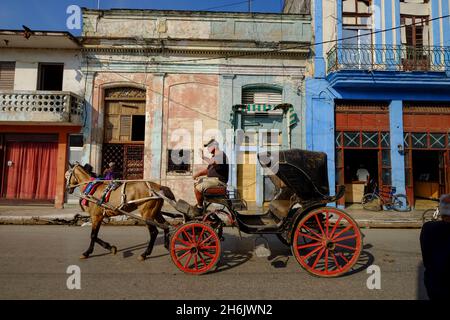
point(247, 176)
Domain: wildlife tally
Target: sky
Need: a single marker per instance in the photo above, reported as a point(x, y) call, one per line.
point(51, 14)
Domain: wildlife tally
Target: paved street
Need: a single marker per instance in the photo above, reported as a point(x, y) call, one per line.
point(34, 260)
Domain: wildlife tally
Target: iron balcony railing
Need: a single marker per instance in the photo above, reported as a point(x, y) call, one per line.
point(58, 107)
point(388, 58)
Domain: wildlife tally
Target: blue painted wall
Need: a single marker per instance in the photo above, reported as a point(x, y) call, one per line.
point(393, 86)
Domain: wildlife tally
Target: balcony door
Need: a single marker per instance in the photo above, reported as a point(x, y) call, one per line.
point(50, 76)
point(357, 43)
point(356, 29)
point(415, 39)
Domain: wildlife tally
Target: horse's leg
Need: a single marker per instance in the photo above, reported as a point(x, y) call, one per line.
point(149, 211)
point(97, 219)
point(153, 235)
point(104, 244)
point(96, 222)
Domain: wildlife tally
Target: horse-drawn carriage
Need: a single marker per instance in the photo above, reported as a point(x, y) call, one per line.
point(325, 241)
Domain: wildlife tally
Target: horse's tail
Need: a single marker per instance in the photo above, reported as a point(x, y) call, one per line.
point(167, 193)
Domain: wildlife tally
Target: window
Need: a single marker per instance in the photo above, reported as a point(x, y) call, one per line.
point(415, 32)
point(7, 75)
point(271, 138)
point(357, 13)
point(124, 115)
point(76, 140)
point(50, 76)
point(75, 147)
point(138, 128)
point(262, 96)
point(179, 161)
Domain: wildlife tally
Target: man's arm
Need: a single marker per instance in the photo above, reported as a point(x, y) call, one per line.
point(200, 173)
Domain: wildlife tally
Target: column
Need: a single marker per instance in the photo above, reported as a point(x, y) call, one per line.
point(61, 168)
point(153, 135)
point(226, 103)
point(396, 136)
point(87, 125)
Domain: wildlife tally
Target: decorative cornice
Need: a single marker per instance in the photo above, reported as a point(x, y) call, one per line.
point(201, 52)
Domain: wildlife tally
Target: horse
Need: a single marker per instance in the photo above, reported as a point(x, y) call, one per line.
point(149, 208)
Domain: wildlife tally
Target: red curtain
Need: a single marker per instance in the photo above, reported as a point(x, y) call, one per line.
point(33, 171)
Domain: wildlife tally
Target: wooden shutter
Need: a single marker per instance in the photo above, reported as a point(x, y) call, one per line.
point(261, 96)
point(7, 75)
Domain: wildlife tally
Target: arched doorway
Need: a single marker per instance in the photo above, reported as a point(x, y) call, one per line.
point(124, 131)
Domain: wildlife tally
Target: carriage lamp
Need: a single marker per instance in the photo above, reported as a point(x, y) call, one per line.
point(400, 149)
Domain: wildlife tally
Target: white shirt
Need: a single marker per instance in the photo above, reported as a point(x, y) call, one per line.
point(363, 174)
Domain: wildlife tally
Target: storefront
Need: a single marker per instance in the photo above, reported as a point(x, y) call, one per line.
point(427, 148)
point(33, 160)
point(362, 143)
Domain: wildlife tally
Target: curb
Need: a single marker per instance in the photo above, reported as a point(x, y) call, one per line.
point(82, 219)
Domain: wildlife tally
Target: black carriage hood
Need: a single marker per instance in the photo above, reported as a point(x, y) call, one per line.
point(305, 172)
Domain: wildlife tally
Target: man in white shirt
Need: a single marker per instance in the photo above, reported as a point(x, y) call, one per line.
point(362, 173)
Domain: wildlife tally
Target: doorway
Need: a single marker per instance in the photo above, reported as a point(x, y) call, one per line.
point(428, 175)
point(247, 176)
point(50, 76)
point(357, 163)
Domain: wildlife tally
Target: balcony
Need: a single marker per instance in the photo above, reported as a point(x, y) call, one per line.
point(388, 58)
point(41, 107)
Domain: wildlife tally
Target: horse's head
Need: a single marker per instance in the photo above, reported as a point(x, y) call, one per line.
point(75, 176)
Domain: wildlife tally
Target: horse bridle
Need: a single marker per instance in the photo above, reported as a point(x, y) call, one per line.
point(71, 173)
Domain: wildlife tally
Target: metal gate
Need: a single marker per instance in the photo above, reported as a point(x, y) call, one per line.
point(129, 159)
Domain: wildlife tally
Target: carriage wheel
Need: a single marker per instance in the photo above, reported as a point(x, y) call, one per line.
point(195, 248)
point(327, 242)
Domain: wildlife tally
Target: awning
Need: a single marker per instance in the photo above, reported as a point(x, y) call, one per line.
point(292, 116)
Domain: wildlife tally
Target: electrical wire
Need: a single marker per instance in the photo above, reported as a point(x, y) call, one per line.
point(228, 5)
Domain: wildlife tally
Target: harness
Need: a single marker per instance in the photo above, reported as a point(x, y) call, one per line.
point(91, 187)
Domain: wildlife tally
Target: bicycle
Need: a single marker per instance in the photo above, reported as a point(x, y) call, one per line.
point(374, 201)
point(431, 215)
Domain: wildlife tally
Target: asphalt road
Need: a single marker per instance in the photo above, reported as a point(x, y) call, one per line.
point(34, 262)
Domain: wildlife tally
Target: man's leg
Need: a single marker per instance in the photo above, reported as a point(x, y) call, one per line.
point(199, 197)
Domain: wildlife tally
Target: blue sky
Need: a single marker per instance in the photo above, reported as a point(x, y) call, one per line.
point(51, 14)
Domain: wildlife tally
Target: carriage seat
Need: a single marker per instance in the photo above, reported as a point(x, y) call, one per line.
point(280, 207)
point(215, 192)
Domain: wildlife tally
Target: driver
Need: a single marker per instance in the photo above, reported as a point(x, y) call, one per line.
point(215, 175)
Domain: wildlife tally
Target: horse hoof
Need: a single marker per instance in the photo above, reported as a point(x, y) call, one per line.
point(141, 258)
point(82, 257)
point(113, 250)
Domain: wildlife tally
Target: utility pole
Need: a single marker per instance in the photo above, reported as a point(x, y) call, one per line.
point(98, 4)
point(249, 6)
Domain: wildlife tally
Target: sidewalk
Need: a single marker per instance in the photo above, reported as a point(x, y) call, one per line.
point(72, 215)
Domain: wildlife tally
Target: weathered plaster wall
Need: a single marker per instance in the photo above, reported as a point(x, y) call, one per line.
point(190, 118)
point(195, 25)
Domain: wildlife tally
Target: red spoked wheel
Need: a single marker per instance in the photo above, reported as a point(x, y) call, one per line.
point(327, 242)
point(195, 248)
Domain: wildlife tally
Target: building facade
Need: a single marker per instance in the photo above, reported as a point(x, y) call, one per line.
point(378, 94)
point(161, 83)
point(41, 111)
